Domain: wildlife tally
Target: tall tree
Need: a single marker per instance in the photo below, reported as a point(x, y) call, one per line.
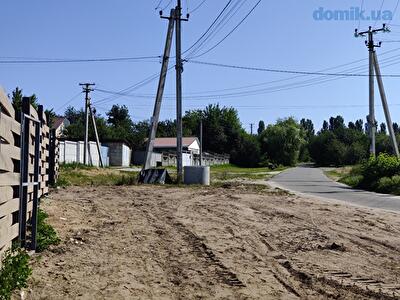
point(359, 125)
point(261, 127)
point(336, 123)
point(382, 128)
point(16, 101)
point(396, 128)
point(282, 142)
point(308, 127)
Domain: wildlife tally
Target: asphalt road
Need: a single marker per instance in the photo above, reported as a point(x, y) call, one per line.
point(312, 181)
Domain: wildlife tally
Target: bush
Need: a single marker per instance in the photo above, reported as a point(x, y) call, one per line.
point(14, 272)
point(352, 180)
point(389, 185)
point(46, 235)
point(374, 169)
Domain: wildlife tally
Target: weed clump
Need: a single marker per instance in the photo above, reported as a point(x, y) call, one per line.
point(14, 272)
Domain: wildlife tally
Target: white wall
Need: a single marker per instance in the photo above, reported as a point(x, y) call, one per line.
point(72, 152)
point(126, 156)
point(194, 147)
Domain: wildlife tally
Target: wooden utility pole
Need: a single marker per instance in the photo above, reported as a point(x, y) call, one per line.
point(251, 128)
point(160, 91)
point(86, 89)
point(371, 49)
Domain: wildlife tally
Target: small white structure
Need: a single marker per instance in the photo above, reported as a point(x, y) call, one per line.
point(167, 146)
point(189, 144)
point(72, 152)
point(119, 153)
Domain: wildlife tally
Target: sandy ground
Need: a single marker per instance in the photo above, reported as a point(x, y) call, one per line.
point(231, 242)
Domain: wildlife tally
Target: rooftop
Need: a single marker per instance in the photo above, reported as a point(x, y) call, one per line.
point(170, 142)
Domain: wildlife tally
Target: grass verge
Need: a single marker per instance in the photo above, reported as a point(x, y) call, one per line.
point(80, 175)
point(230, 172)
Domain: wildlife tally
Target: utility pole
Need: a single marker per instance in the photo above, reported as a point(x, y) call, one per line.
point(86, 89)
point(201, 142)
point(251, 128)
point(371, 49)
point(160, 91)
point(96, 134)
point(374, 67)
point(385, 106)
point(179, 70)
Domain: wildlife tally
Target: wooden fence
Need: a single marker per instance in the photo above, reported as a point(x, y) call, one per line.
point(24, 171)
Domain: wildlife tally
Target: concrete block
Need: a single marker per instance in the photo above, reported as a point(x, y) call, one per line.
point(196, 175)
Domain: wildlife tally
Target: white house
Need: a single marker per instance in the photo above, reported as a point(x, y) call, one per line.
point(190, 145)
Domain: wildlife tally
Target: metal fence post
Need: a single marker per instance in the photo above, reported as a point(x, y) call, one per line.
point(36, 171)
point(24, 174)
point(52, 157)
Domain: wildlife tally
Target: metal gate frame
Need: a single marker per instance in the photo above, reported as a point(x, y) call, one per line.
point(24, 174)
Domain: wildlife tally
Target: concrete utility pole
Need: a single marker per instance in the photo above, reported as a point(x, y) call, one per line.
point(86, 89)
point(374, 67)
point(160, 91)
point(385, 106)
point(201, 142)
point(179, 70)
point(96, 134)
point(371, 48)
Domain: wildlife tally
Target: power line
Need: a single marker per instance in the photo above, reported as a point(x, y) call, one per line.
point(394, 11)
point(209, 28)
point(135, 86)
point(361, 8)
point(284, 71)
point(232, 31)
point(300, 84)
point(197, 7)
point(45, 61)
point(380, 10)
point(68, 102)
point(232, 11)
point(159, 4)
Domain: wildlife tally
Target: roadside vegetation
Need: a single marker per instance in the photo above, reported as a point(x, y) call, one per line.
point(46, 235)
point(380, 174)
point(14, 272)
point(81, 175)
point(15, 264)
point(230, 172)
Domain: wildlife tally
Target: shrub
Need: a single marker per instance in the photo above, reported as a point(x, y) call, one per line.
point(374, 169)
point(352, 180)
point(14, 272)
point(384, 185)
point(389, 185)
point(46, 235)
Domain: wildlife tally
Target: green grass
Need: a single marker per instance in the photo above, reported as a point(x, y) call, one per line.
point(229, 172)
point(14, 272)
point(236, 169)
point(337, 174)
point(80, 175)
point(46, 235)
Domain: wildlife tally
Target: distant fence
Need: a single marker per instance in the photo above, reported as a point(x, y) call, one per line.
point(25, 166)
point(189, 159)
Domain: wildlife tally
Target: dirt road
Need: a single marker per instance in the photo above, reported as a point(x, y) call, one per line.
point(232, 242)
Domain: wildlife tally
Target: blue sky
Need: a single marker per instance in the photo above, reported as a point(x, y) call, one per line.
point(279, 34)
